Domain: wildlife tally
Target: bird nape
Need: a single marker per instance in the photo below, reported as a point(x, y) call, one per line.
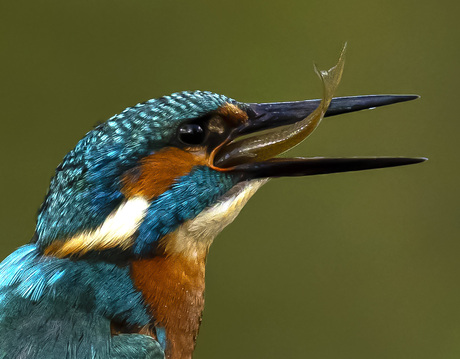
point(116, 266)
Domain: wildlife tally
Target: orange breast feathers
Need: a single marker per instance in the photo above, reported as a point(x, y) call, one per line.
point(157, 172)
point(173, 288)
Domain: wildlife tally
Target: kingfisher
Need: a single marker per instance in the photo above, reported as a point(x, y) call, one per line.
point(116, 267)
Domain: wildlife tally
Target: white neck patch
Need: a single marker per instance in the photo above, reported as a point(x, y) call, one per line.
point(116, 231)
point(194, 237)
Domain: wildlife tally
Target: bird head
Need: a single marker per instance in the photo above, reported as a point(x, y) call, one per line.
point(169, 174)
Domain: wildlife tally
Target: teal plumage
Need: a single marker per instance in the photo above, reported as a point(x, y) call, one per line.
point(201, 188)
point(59, 308)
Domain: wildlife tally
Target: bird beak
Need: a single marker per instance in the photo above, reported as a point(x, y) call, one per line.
point(286, 124)
point(245, 156)
point(265, 116)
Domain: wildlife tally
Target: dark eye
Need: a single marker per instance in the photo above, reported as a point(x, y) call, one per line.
point(192, 134)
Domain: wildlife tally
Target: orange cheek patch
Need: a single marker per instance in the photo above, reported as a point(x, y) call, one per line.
point(157, 172)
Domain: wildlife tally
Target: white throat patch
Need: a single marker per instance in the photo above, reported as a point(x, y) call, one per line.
point(194, 237)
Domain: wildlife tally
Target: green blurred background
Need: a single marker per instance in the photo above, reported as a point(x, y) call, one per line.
point(358, 265)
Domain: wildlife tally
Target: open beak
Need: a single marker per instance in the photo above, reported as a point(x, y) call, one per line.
point(237, 157)
point(274, 128)
point(245, 156)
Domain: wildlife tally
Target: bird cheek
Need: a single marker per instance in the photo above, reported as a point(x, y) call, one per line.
point(156, 173)
point(193, 238)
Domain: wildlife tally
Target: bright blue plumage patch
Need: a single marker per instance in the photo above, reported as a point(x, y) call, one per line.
point(161, 336)
point(86, 187)
point(58, 308)
point(27, 274)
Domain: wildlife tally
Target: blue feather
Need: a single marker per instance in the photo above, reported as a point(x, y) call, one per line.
point(186, 199)
point(59, 308)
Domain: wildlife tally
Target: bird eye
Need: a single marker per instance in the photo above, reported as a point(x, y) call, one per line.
point(192, 134)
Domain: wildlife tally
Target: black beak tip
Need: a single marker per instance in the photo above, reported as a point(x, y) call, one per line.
point(340, 105)
point(414, 160)
point(390, 99)
point(383, 162)
point(287, 167)
point(270, 115)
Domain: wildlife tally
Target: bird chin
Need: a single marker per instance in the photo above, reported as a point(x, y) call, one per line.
point(194, 237)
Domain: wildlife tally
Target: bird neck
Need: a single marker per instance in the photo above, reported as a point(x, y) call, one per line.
point(173, 288)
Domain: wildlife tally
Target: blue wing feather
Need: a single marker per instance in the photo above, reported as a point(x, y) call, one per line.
point(59, 308)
